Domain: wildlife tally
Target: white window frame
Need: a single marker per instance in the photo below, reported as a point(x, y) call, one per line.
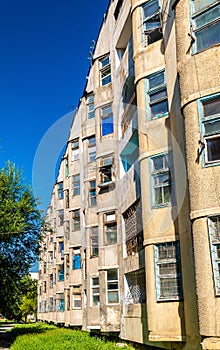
point(105, 70)
point(109, 285)
point(156, 174)
point(107, 113)
point(110, 221)
point(214, 238)
point(75, 149)
point(76, 298)
point(94, 291)
point(90, 106)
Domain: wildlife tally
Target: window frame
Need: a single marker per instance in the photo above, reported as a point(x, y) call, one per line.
point(60, 217)
point(159, 277)
point(146, 33)
point(108, 225)
point(152, 91)
point(165, 171)
point(214, 240)
point(76, 222)
point(90, 106)
point(94, 241)
point(76, 297)
point(76, 259)
point(60, 191)
point(75, 149)
point(195, 15)
point(114, 290)
point(107, 113)
point(92, 193)
point(205, 120)
point(95, 294)
point(105, 70)
point(91, 149)
point(76, 184)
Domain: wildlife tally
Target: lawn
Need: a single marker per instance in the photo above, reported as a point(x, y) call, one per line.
point(41, 336)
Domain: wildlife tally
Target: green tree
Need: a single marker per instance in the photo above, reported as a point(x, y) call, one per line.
point(28, 304)
point(20, 235)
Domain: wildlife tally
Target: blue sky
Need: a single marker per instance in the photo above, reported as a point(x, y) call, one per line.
point(43, 66)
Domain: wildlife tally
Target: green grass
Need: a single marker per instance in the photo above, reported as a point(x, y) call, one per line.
point(40, 336)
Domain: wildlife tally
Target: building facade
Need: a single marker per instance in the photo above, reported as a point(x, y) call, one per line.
point(131, 242)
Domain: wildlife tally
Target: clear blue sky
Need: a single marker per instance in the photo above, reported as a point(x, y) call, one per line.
point(44, 47)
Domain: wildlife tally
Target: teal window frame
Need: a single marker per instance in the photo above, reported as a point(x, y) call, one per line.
point(61, 305)
point(210, 129)
point(151, 22)
point(168, 274)
point(214, 238)
point(205, 18)
point(156, 95)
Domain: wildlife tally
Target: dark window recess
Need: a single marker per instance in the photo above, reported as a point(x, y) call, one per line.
point(133, 228)
point(118, 8)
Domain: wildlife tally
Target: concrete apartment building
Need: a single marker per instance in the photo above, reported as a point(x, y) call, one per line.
point(132, 243)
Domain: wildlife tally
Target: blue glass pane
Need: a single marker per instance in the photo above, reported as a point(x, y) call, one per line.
point(207, 17)
point(159, 109)
point(208, 36)
point(156, 80)
point(91, 115)
point(158, 95)
point(76, 262)
point(107, 125)
point(152, 23)
point(150, 8)
point(202, 4)
point(106, 80)
point(105, 61)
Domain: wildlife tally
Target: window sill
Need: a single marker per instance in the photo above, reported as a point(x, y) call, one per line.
point(105, 184)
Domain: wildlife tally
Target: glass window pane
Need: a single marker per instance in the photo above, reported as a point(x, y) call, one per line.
point(158, 95)
point(208, 36)
point(112, 274)
point(200, 4)
point(105, 61)
point(152, 23)
point(158, 163)
point(156, 80)
point(107, 125)
point(212, 127)
point(150, 8)
point(113, 297)
point(207, 17)
point(95, 281)
point(213, 149)
point(159, 109)
point(211, 107)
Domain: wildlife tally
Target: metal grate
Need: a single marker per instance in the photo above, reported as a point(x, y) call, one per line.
point(136, 292)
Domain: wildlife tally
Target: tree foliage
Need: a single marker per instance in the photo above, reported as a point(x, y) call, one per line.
point(20, 234)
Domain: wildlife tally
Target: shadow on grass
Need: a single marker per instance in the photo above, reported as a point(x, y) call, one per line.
point(28, 329)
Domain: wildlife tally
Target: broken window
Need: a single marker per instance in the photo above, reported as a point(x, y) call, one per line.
point(151, 17)
point(106, 172)
point(105, 70)
point(110, 228)
point(133, 228)
point(157, 95)
point(60, 217)
point(205, 23)
point(76, 259)
point(95, 293)
point(214, 235)
point(112, 286)
point(161, 180)
point(75, 149)
point(76, 220)
point(76, 185)
point(60, 190)
point(90, 106)
point(135, 290)
point(211, 129)
point(94, 241)
point(107, 126)
point(168, 271)
point(77, 297)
